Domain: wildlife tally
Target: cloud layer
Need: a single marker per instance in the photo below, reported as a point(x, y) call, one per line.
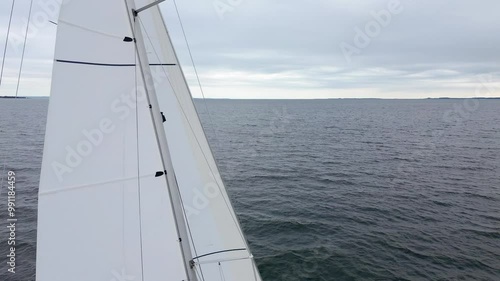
point(297, 49)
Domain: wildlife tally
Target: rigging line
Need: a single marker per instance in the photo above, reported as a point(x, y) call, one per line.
point(198, 274)
point(203, 153)
point(164, 151)
point(178, 189)
point(228, 204)
point(64, 22)
point(198, 143)
point(188, 226)
point(196, 72)
point(91, 185)
point(24, 48)
point(138, 159)
point(7, 40)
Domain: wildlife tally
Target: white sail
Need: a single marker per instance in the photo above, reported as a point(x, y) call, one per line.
point(214, 229)
point(107, 210)
point(103, 215)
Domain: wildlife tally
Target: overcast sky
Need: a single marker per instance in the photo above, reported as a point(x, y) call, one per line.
point(306, 49)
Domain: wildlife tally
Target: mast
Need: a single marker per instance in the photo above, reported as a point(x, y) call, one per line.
point(157, 118)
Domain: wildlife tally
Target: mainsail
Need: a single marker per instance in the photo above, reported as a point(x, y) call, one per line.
point(129, 188)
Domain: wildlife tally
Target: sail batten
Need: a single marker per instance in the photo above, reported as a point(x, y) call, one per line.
point(111, 64)
point(95, 63)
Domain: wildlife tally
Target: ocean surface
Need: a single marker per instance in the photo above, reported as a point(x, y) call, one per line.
point(326, 190)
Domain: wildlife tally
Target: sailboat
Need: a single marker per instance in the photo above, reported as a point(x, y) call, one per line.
point(129, 187)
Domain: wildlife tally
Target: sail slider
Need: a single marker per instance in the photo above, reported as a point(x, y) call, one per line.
point(136, 12)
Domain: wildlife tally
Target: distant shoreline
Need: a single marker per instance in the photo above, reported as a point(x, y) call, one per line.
point(9, 97)
point(441, 98)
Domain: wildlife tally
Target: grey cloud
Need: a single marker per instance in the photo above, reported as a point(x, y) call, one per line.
point(430, 46)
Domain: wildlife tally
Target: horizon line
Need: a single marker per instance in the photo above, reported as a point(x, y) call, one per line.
point(353, 98)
